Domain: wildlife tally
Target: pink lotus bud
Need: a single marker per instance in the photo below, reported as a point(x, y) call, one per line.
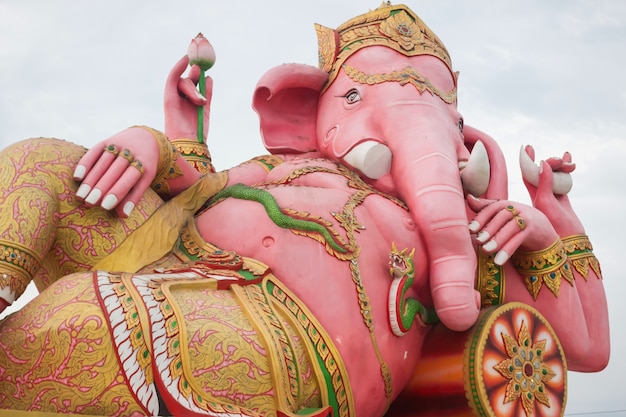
point(201, 52)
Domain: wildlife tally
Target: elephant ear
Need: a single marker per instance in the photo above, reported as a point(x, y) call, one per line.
point(286, 99)
point(498, 183)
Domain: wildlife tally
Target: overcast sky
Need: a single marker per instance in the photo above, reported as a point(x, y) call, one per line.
point(546, 73)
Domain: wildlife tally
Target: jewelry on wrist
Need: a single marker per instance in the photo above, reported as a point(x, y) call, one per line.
point(195, 153)
point(580, 252)
point(546, 266)
point(167, 167)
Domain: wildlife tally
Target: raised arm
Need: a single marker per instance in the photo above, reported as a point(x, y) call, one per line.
point(548, 260)
point(117, 171)
point(548, 186)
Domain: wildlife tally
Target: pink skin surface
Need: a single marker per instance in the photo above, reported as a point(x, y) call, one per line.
point(324, 282)
point(423, 134)
point(410, 124)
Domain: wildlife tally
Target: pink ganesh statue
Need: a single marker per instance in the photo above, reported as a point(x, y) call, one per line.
point(370, 265)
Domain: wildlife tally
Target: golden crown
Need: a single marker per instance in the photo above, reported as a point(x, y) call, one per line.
point(395, 27)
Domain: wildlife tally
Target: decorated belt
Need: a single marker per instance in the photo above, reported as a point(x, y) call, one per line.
point(292, 362)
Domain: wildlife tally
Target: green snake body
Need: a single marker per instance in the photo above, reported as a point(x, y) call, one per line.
point(276, 214)
point(403, 271)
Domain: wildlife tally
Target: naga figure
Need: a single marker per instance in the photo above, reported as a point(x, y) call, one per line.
point(369, 261)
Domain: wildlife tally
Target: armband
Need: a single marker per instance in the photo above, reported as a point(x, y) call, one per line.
point(547, 267)
point(167, 167)
point(580, 253)
point(196, 154)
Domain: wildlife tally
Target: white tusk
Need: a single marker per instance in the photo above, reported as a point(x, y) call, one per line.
point(475, 173)
point(561, 181)
point(530, 170)
point(373, 159)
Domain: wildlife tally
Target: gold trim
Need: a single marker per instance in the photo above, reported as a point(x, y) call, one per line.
point(196, 246)
point(268, 162)
point(144, 319)
point(490, 281)
point(406, 76)
point(126, 293)
point(320, 343)
point(523, 351)
point(178, 333)
point(167, 167)
point(395, 27)
point(580, 253)
point(546, 266)
point(196, 154)
point(327, 40)
point(19, 258)
point(255, 302)
point(18, 266)
point(16, 282)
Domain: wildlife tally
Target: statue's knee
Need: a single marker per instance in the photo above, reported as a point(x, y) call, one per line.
point(35, 178)
point(40, 156)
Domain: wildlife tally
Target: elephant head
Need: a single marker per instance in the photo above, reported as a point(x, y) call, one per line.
point(384, 103)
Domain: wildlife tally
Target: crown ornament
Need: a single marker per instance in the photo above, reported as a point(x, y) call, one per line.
point(393, 26)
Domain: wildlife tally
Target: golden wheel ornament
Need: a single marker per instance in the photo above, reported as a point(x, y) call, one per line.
point(514, 365)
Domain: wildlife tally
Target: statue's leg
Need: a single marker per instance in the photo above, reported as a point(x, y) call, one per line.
point(57, 355)
point(45, 231)
point(115, 344)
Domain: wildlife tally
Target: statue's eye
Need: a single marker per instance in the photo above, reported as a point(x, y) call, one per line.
point(460, 124)
point(352, 96)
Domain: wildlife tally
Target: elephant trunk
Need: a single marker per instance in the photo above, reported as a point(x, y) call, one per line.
point(426, 171)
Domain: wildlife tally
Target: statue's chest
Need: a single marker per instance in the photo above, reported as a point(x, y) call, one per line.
point(309, 197)
point(310, 219)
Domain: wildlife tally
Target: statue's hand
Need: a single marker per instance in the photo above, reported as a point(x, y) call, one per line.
point(182, 100)
point(547, 185)
point(504, 226)
point(116, 172)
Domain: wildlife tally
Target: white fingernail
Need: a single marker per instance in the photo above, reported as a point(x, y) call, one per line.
point(489, 246)
point(482, 236)
point(109, 202)
point(83, 190)
point(200, 96)
point(79, 172)
point(501, 257)
point(474, 226)
point(128, 208)
point(93, 196)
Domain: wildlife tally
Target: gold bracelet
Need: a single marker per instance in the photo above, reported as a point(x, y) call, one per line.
point(547, 266)
point(580, 253)
point(18, 266)
point(197, 154)
point(167, 167)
